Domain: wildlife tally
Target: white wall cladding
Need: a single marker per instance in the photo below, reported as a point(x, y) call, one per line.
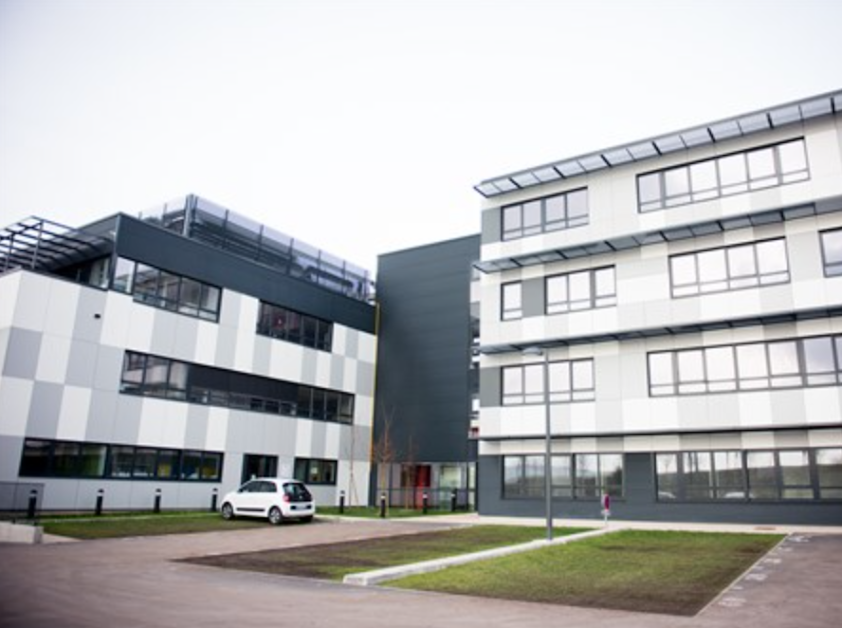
point(61, 351)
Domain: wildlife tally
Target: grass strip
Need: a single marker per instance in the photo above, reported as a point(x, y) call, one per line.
point(333, 561)
point(675, 573)
point(115, 527)
point(372, 512)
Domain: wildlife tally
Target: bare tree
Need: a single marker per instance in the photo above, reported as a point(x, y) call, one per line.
point(383, 450)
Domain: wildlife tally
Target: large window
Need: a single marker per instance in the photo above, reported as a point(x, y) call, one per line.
point(795, 363)
point(569, 381)
point(581, 290)
point(166, 290)
point(781, 475)
point(50, 458)
point(285, 324)
point(832, 252)
point(561, 211)
point(577, 476)
point(730, 268)
point(511, 300)
point(723, 176)
point(153, 376)
point(315, 471)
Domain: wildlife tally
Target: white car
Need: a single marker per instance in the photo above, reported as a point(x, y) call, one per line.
point(274, 498)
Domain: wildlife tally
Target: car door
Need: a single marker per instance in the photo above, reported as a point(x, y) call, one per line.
point(248, 500)
point(267, 496)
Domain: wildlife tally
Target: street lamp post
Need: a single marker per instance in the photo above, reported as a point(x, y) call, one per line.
point(548, 483)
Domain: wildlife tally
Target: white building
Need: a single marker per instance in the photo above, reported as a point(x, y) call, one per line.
point(687, 293)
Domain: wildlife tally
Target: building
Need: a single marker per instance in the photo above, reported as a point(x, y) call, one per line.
point(685, 294)
point(425, 379)
point(175, 355)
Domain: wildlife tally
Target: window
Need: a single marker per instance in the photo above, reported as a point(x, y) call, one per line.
point(832, 252)
point(512, 301)
point(166, 290)
point(581, 290)
point(780, 475)
point(47, 458)
point(569, 381)
point(155, 376)
point(561, 211)
point(578, 476)
point(723, 176)
point(732, 268)
point(795, 363)
point(285, 324)
point(313, 471)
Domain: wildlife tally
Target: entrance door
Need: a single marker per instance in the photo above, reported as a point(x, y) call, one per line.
point(423, 475)
point(257, 466)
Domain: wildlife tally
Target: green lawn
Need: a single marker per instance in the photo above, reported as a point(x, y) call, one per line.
point(113, 526)
point(656, 572)
point(336, 560)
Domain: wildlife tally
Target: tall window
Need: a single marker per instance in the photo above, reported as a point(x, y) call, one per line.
point(166, 290)
point(801, 362)
point(285, 324)
point(561, 211)
point(577, 476)
point(511, 297)
point(729, 268)
point(832, 252)
point(778, 475)
point(570, 380)
point(723, 176)
point(581, 290)
point(315, 471)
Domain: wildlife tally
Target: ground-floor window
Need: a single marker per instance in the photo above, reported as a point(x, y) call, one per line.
point(773, 475)
point(315, 471)
point(573, 476)
point(69, 459)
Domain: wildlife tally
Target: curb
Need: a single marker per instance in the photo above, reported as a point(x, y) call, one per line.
point(369, 578)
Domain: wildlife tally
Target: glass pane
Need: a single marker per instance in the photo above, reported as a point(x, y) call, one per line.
point(531, 215)
point(534, 379)
point(167, 467)
point(211, 465)
point(690, 366)
point(134, 366)
point(144, 463)
point(157, 376)
point(555, 208)
point(191, 463)
point(511, 218)
point(795, 468)
point(720, 364)
point(557, 289)
point(511, 296)
point(586, 475)
point(761, 164)
point(703, 176)
point(146, 280)
point(698, 475)
point(580, 289)
point(124, 275)
point(168, 290)
point(649, 187)
point(121, 462)
point(783, 358)
point(832, 247)
point(191, 296)
point(751, 360)
point(512, 380)
point(660, 369)
point(677, 182)
point(605, 282)
point(667, 469)
point(611, 474)
point(534, 475)
point(210, 300)
point(829, 466)
point(577, 206)
point(560, 377)
point(512, 475)
point(308, 338)
point(36, 458)
point(583, 375)
point(818, 355)
point(319, 401)
point(93, 461)
point(712, 266)
point(771, 257)
point(761, 475)
point(66, 459)
point(741, 261)
point(562, 478)
point(683, 270)
point(792, 156)
point(732, 170)
point(728, 474)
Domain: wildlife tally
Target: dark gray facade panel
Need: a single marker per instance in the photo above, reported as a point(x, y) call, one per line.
point(424, 349)
point(489, 387)
point(639, 503)
point(491, 226)
point(533, 297)
point(22, 351)
point(155, 246)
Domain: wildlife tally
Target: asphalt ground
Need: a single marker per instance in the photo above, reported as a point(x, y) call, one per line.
point(134, 582)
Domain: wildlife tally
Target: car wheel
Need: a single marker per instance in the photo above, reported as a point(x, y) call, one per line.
point(307, 519)
point(227, 511)
point(275, 515)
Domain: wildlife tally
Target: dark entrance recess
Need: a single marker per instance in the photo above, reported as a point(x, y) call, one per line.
point(257, 466)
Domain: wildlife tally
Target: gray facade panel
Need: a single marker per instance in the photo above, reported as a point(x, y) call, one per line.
point(102, 415)
point(186, 336)
point(337, 372)
point(639, 503)
point(109, 366)
point(127, 421)
point(424, 349)
point(196, 430)
point(365, 378)
point(489, 387)
point(319, 436)
point(10, 450)
point(532, 293)
point(44, 410)
point(81, 364)
point(22, 353)
point(352, 344)
point(491, 226)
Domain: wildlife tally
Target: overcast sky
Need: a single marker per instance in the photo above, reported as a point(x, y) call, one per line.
point(361, 127)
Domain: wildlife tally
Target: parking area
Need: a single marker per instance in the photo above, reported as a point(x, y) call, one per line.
point(134, 582)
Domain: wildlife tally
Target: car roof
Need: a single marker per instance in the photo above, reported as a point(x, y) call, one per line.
point(284, 480)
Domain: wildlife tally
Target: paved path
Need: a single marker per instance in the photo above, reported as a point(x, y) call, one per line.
point(133, 582)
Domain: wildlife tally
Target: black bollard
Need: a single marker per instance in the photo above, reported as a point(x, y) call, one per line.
point(33, 504)
point(453, 500)
point(382, 505)
point(100, 497)
point(214, 498)
point(424, 500)
point(157, 507)
point(341, 502)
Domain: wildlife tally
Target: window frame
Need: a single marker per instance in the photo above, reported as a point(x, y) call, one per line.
point(832, 268)
point(594, 300)
point(517, 214)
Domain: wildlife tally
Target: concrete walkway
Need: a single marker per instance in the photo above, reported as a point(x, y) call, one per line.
point(134, 582)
